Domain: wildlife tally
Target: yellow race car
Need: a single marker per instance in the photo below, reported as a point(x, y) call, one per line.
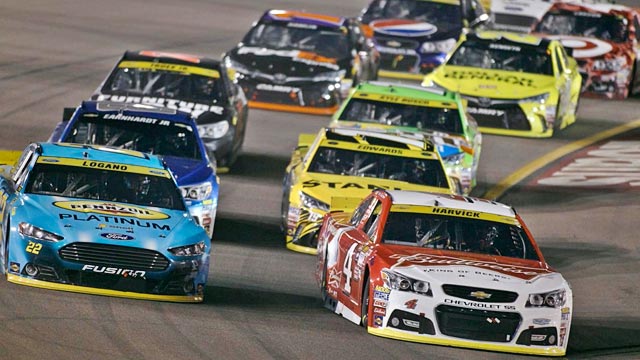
point(339, 163)
point(515, 84)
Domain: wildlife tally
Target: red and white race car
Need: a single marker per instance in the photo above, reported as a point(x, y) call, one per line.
point(604, 39)
point(442, 269)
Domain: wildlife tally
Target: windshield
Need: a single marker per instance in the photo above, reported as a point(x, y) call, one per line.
point(417, 171)
point(129, 81)
point(328, 43)
point(170, 139)
point(444, 16)
point(600, 26)
point(458, 234)
point(96, 184)
point(419, 117)
point(497, 56)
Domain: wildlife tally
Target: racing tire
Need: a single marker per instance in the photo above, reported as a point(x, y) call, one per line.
point(284, 211)
point(327, 301)
point(5, 268)
point(364, 308)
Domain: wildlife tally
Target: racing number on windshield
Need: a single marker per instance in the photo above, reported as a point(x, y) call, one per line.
point(347, 269)
point(33, 248)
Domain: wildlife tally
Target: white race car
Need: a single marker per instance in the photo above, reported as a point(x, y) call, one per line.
point(442, 269)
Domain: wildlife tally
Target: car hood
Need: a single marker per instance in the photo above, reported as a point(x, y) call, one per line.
point(189, 171)
point(492, 83)
point(590, 48)
point(457, 267)
point(109, 222)
point(411, 29)
point(323, 187)
point(286, 63)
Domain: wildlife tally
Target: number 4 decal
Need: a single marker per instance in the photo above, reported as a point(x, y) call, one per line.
point(347, 270)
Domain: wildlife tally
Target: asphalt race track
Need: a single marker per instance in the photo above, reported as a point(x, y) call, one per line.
point(261, 301)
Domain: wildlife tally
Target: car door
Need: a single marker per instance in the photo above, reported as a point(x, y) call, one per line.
point(357, 247)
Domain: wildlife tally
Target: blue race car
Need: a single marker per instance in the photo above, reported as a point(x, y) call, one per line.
point(102, 221)
point(168, 133)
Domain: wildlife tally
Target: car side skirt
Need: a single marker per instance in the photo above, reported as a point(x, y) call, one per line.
point(293, 108)
point(104, 292)
point(388, 333)
point(520, 133)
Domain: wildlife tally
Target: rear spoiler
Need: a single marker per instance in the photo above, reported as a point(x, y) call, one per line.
point(344, 203)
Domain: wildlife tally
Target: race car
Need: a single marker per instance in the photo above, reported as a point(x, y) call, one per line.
point(168, 133)
point(415, 36)
point(99, 220)
point(515, 84)
point(445, 270)
point(302, 62)
point(194, 84)
point(439, 115)
point(604, 40)
point(340, 162)
point(521, 15)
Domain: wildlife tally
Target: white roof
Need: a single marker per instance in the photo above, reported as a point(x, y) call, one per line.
point(404, 197)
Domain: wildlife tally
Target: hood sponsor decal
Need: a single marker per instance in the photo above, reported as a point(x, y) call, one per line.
point(304, 57)
point(584, 47)
point(109, 208)
point(403, 27)
point(196, 109)
point(114, 220)
point(478, 305)
point(427, 260)
point(488, 76)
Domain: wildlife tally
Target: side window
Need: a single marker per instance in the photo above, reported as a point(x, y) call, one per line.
point(21, 165)
point(22, 168)
point(559, 60)
point(361, 211)
point(229, 86)
point(636, 24)
point(371, 227)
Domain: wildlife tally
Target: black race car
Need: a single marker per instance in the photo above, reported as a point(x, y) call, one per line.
point(195, 84)
point(303, 62)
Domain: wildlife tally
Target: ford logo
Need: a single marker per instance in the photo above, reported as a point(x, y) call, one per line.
point(114, 236)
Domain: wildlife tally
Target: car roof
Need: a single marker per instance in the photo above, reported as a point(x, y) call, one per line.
point(139, 110)
point(406, 90)
point(404, 197)
point(100, 153)
point(172, 58)
point(510, 38)
point(380, 138)
point(303, 17)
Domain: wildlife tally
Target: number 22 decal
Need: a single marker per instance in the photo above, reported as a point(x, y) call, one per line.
point(33, 248)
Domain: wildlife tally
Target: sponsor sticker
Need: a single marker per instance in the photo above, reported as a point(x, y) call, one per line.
point(381, 311)
point(377, 320)
point(116, 236)
point(411, 304)
point(379, 303)
point(541, 321)
point(380, 295)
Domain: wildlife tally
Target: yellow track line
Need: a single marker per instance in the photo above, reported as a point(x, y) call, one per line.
point(505, 184)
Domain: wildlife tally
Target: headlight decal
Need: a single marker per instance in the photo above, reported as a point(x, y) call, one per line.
point(552, 299)
point(35, 232)
point(215, 130)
